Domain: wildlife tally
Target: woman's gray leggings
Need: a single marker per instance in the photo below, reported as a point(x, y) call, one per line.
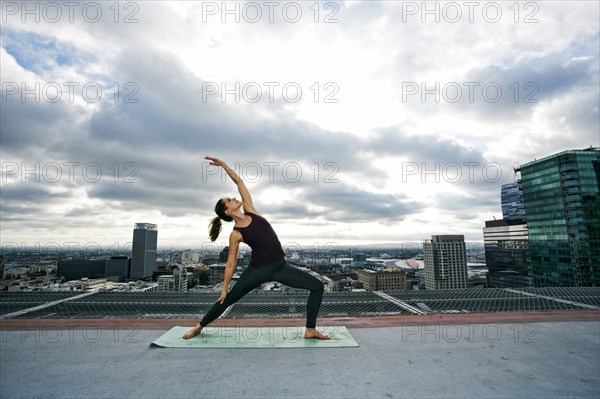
point(253, 277)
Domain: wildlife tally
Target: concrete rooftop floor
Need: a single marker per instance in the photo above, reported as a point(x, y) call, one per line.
point(537, 355)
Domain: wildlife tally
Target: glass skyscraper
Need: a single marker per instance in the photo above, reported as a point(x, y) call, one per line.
point(506, 245)
point(143, 250)
point(511, 196)
point(562, 202)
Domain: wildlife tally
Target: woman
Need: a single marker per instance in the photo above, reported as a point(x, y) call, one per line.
point(266, 264)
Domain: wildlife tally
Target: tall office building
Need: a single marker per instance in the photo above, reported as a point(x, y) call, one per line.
point(562, 201)
point(511, 196)
point(507, 253)
point(143, 250)
point(445, 262)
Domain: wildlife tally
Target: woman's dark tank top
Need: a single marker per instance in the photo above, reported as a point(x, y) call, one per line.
point(260, 236)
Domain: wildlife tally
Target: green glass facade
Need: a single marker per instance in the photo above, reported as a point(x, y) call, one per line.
point(562, 201)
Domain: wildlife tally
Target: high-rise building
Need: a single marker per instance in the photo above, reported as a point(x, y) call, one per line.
point(445, 262)
point(561, 196)
point(143, 250)
point(511, 196)
point(507, 253)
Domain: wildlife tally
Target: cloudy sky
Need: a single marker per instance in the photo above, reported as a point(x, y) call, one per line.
point(351, 122)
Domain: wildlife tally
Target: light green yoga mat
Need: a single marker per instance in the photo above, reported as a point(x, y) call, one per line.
point(255, 337)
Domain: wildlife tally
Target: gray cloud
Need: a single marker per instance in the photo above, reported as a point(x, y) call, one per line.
point(526, 84)
point(351, 204)
point(420, 146)
point(35, 193)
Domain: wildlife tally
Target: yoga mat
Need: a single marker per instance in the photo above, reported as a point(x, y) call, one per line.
point(254, 337)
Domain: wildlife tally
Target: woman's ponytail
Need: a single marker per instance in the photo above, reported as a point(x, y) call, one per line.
point(214, 228)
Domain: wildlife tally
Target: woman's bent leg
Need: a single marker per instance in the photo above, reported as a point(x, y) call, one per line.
point(249, 280)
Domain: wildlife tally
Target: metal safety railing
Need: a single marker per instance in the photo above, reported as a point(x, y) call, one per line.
point(277, 304)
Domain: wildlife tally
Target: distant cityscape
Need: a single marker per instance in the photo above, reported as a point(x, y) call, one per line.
point(549, 236)
point(195, 269)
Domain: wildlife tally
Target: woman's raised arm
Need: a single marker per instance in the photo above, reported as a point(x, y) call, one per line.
point(244, 193)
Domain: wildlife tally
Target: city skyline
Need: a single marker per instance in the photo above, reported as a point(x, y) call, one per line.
point(378, 148)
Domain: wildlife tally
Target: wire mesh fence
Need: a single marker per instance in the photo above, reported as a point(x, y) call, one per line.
point(278, 304)
point(576, 294)
point(15, 301)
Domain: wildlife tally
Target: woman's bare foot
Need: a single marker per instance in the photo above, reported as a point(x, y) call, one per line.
point(192, 332)
point(313, 333)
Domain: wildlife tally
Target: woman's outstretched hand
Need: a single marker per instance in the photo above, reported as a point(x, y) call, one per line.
point(215, 161)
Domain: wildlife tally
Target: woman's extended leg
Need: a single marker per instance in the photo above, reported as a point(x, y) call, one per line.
point(294, 277)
